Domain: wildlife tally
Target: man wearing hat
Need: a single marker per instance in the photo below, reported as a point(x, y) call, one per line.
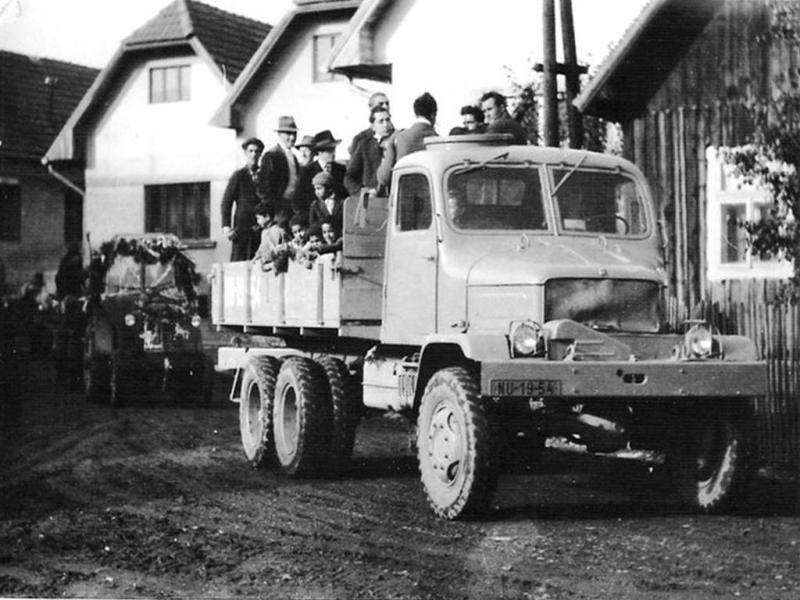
point(242, 192)
point(307, 153)
point(324, 144)
point(278, 176)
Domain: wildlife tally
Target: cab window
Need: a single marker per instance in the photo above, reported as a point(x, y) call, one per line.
point(413, 203)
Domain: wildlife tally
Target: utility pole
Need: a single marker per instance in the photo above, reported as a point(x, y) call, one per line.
point(569, 68)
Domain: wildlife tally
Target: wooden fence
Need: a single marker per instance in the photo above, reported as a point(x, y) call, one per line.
point(758, 310)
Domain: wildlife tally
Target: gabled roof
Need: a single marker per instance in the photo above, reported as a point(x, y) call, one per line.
point(645, 56)
point(270, 51)
point(224, 40)
point(354, 54)
point(37, 97)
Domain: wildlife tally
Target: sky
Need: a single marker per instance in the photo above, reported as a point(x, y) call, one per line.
point(89, 31)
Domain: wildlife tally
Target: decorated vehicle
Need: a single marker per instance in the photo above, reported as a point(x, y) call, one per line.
point(502, 295)
point(143, 329)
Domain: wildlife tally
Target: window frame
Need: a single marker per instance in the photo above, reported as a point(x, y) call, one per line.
point(201, 232)
point(317, 62)
point(397, 198)
point(724, 188)
point(184, 88)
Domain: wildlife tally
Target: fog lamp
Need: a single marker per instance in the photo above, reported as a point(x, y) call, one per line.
point(130, 320)
point(698, 341)
point(196, 320)
point(527, 339)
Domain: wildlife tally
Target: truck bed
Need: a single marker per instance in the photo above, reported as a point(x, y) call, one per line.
point(338, 295)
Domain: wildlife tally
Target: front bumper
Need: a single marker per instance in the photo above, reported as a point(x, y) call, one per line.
point(535, 378)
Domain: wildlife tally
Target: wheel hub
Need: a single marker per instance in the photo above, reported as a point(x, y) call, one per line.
point(446, 444)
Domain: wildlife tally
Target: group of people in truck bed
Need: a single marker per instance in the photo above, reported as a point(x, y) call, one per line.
point(288, 203)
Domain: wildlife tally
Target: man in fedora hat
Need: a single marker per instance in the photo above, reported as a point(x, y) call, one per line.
point(304, 147)
point(278, 176)
point(324, 144)
point(241, 192)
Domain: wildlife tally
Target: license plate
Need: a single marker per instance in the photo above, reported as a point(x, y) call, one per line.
point(525, 387)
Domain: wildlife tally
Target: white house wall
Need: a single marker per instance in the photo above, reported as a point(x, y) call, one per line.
point(136, 143)
point(289, 89)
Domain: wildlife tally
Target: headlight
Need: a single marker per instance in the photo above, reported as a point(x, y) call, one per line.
point(196, 320)
point(130, 320)
point(527, 340)
point(698, 341)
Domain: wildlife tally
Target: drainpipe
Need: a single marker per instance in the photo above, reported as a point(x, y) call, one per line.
point(63, 179)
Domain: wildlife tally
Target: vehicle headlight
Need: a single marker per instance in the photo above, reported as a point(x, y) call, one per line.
point(698, 341)
point(130, 320)
point(196, 320)
point(527, 339)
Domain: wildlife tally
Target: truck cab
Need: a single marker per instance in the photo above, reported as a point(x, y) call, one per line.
point(501, 296)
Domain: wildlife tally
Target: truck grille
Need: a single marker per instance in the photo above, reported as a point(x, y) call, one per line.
point(605, 304)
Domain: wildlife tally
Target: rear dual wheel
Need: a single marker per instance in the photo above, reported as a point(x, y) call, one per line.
point(255, 410)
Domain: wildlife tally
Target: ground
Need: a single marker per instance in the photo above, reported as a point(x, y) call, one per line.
point(156, 500)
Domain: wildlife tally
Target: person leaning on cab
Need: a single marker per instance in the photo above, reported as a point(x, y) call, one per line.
point(471, 121)
point(498, 120)
point(361, 177)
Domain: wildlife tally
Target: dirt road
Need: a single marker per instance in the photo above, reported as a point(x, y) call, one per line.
point(157, 501)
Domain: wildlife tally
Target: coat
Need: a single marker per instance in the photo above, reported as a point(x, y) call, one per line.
point(241, 191)
point(362, 170)
point(274, 178)
point(505, 124)
point(402, 143)
point(318, 212)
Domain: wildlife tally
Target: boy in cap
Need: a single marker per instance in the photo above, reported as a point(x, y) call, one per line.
point(326, 206)
point(278, 177)
point(241, 192)
point(324, 144)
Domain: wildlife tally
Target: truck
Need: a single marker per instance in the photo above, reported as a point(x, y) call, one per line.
point(500, 296)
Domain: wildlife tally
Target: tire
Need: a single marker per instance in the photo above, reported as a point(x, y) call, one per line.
point(255, 410)
point(454, 446)
point(96, 372)
point(708, 459)
point(121, 385)
point(346, 407)
point(302, 417)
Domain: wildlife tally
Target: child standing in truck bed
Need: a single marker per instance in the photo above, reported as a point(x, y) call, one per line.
point(273, 252)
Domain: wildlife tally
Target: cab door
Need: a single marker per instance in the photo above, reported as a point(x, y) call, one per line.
point(410, 280)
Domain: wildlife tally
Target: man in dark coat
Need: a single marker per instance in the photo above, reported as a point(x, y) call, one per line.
point(411, 139)
point(70, 275)
point(362, 170)
point(375, 100)
point(493, 105)
point(324, 145)
point(241, 192)
point(279, 172)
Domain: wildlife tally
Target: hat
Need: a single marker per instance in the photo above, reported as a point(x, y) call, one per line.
point(322, 178)
point(253, 141)
point(286, 124)
point(306, 142)
point(324, 140)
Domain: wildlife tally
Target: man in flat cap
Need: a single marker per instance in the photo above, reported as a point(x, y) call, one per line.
point(239, 202)
point(278, 176)
point(324, 144)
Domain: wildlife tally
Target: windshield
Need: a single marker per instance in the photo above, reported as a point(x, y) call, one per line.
point(599, 202)
point(499, 198)
point(125, 275)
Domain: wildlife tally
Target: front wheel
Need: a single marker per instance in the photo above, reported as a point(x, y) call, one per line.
point(454, 445)
point(709, 460)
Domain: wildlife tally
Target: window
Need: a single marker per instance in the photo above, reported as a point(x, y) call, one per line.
point(595, 201)
point(413, 203)
point(500, 198)
point(10, 213)
point(730, 203)
point(323, 46)
point(73, 217)
point(169, 84)
point(179, 208)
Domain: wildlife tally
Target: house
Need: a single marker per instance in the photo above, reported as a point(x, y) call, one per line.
point(40, 208)
point(682, 82)
point(288, 75)
point(153, 160)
